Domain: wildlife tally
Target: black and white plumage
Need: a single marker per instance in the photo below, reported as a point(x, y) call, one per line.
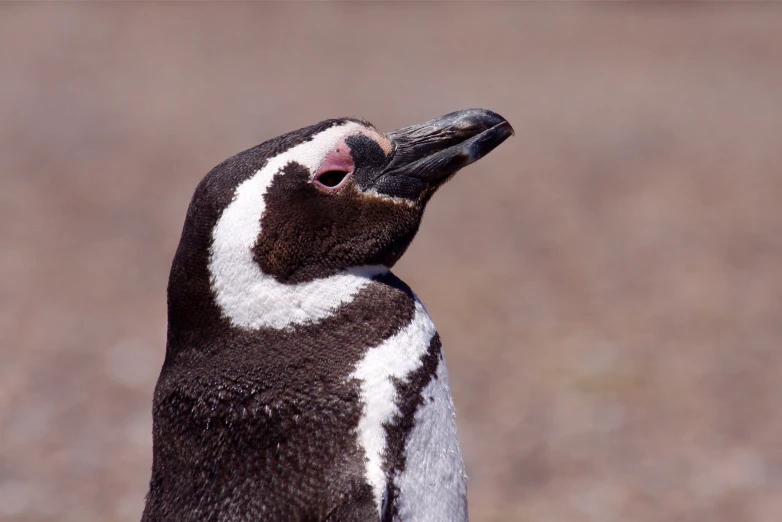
point(302, 379)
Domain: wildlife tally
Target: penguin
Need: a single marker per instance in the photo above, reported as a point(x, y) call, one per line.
point(304, 381)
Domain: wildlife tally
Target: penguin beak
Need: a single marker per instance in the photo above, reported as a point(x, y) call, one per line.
point(427, 154)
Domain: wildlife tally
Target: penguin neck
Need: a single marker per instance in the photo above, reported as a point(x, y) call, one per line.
point(210, 297)
point(380, 308)
point(249, 298)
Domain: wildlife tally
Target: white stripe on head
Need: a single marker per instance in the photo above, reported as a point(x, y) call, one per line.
point(395, 357)
point(247, 296)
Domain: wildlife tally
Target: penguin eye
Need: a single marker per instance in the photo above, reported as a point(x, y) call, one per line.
point(331, 178)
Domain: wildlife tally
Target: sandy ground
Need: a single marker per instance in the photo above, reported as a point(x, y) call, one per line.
point(607, 284)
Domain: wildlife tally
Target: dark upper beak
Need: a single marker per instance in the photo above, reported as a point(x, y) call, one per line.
point(427, 154)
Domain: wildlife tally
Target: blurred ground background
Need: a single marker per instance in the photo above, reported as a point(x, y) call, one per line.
point(607, 283)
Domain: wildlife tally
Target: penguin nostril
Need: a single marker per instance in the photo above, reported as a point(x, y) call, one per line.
point(331, 178)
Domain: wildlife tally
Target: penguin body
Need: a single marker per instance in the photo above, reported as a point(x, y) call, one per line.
point(302, 379)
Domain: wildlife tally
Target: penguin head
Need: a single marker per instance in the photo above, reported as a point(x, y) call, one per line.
point(324, 199)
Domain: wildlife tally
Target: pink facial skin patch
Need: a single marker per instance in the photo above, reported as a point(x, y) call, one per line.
point(328, 177)
point(337, 159)
point(335, 169)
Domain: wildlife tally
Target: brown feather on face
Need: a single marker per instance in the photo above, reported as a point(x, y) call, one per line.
point(308, 234)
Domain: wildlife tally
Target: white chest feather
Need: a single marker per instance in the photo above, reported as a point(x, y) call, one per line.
point(432, 485)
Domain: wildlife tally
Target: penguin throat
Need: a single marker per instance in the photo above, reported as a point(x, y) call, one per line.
point(248, 298)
